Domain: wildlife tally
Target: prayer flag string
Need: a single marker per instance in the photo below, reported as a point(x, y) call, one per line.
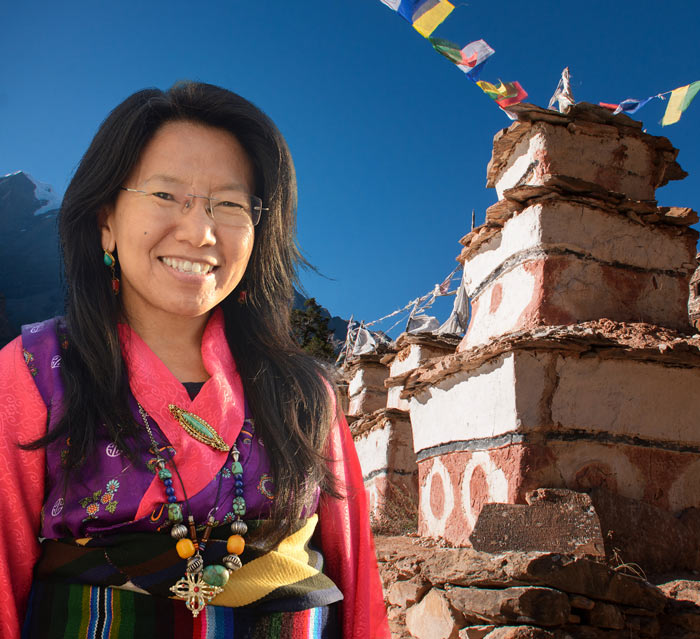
point(678, 102)
point(427, 15)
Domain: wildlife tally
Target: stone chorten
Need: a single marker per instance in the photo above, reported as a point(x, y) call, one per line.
point(577, 371)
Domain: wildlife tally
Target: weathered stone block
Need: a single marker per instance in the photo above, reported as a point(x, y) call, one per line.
point(555, 521)
point(394, 399)
point(406, 593)
point(564, 288)
point(475, 632)
point(622, 160)
point(366, 401)
point(682, 590)
point(367, 375)
point(558, 226)
point(384, 444)
point(433, 618)
point(605, 615)
point(527, 605)
point(576, 576)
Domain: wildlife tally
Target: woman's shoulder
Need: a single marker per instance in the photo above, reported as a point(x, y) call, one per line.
point(37, 348)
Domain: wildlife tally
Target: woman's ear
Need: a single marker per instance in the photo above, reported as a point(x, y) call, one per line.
point(105, 219)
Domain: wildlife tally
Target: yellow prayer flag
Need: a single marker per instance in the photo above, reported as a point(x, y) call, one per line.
point(673, 110)
point(500, 91)
point(678, 102)
point(431, 19)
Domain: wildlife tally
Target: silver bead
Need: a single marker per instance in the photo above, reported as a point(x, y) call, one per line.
point(195, 564)
point(239, 527)
point(232, 562)
point(178, 531)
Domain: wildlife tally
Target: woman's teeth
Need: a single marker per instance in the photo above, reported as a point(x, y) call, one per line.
point(185, 266)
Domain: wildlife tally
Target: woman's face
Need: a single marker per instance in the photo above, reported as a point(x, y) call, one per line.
point(175, 262)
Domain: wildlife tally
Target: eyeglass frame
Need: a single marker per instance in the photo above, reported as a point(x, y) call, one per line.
point(210, 209)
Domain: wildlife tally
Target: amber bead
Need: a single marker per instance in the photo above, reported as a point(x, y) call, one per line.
point(185, 548)
point(235, 544)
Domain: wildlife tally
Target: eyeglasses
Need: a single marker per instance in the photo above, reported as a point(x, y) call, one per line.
point(228, 208)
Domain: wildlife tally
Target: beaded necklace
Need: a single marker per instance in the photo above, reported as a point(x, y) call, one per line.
point(200, 584)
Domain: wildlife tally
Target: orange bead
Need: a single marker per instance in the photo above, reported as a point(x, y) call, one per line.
point(235, 544)
point(185, 548)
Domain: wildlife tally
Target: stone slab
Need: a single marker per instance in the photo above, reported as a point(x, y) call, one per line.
point(526, 605)
point(568, 525)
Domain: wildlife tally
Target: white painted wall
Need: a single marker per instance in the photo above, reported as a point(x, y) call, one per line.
point(628, 398)
point(469, 405)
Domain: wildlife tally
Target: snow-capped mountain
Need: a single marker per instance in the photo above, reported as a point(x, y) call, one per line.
point(30, 285)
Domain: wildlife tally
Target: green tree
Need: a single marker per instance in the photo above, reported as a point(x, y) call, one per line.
point(310, 329)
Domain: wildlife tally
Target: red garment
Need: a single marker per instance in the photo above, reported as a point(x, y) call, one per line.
point(345, 537)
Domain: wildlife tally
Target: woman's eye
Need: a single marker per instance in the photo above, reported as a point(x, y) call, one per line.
point(164, 196)
point(228, 203)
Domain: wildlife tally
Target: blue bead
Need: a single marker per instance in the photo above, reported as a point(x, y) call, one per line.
point(239, 483)
point(239, 491)
point(172, 499)
point(168, 482)
point(169, 491)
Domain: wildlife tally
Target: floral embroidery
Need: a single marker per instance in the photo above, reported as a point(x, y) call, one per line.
point(106, 498)
point(29, 361)
point(224, 472)
point(228, 518)
point(266, 486)
point(64, 452)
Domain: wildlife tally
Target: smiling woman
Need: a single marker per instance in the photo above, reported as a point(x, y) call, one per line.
point(178, 260)
point(180, 457)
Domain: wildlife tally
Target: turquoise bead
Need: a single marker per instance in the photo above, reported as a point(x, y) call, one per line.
point(239, 506)
point(164, 474)
point(215, 575)
point(237, 468)
point(174, 512)
point(108, 260)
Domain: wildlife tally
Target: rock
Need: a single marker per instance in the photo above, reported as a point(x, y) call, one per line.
point(468, 567)
point(605, 615)
point(583, 603)
point(406, 593)
point(642, 626)
point(433, 618)
point(682, 590)
point(560, 520)
point(643, 534)
point(475, 632)
point(683, 614)
point(594, 580)
point(576, 576)
point(541, 606)
point(521, 632)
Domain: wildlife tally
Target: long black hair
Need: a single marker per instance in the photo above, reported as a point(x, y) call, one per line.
point(287, 391)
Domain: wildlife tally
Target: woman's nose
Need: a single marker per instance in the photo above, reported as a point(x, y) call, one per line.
point(196, 225)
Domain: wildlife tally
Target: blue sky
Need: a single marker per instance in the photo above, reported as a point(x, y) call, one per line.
point(389, 139)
